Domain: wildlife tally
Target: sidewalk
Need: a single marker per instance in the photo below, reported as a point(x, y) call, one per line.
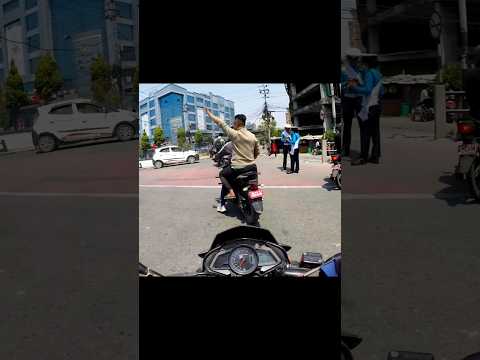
point(16, 142)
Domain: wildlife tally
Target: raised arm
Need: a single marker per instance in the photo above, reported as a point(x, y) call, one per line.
point(217, 120)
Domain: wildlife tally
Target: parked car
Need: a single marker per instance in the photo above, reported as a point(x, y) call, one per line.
point(79, 120)
point(167, 155)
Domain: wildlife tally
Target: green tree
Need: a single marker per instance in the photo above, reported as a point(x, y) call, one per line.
point(4, 121)
point(15, 95)
point(198, 138)
point(48, 79)
point(104, 88)
point(181, 138)
point(452, 76)
point(158, 137)
point(145, 142)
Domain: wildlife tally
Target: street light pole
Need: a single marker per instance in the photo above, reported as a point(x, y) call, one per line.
point(462, 10)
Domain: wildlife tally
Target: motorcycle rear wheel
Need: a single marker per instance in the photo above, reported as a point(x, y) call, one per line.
point(338, 180)
point(251, 217)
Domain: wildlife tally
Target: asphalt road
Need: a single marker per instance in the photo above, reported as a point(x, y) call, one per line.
point(410, 249)
point(178, 221)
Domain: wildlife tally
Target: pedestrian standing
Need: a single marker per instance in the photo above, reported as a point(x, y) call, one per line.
point(274, 148)
point(294, 151)
point(351, 100)
point(372, 92)
point(285, 140)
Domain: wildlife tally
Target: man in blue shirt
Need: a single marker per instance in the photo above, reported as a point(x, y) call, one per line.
point(285, 138)
point(294, 151)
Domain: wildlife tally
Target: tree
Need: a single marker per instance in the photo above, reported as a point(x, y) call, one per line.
point(263, 131)
point(198, 138)
point(452, 76)
point(104, 88)
point(145, 142)
point(48, 79)
point(181, 138)
point(4, 121)
point(276, 132)
point(158, 137)
point(15, 95)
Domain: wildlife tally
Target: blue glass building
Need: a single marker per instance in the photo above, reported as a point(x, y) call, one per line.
point(174, 107)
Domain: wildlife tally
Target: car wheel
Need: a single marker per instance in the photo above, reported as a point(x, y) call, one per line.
point(191, 159)
point(124, 132)
point(158, 164)
point(47, 143)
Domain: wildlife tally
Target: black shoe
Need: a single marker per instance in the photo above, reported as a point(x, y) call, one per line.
point(374, 160)
point(359, 161)
point(289, 172)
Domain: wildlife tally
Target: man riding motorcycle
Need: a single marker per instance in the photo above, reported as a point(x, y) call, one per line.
point(245, 150)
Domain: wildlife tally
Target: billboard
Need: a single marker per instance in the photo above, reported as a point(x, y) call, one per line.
point(201, 119)
point(15, 47)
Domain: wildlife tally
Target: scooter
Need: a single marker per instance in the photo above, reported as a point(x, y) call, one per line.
point(336, 174)
point(468, 167)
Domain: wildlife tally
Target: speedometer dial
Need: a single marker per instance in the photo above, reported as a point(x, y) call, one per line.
point(243, 260)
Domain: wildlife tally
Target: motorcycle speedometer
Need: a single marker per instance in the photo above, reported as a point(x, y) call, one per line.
point(243, 260)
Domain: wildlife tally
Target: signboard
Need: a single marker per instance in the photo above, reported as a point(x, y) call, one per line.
point(15, 47)
point(201, 119)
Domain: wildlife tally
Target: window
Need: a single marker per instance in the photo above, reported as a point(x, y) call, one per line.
point(124, 10)
point(190, 99)
point(30, 4)
point(128, 53)
point(176, 149)
point(193, 126)
point(209, 127)
point(62, 110)
point(32, 21)
point(153, 122)
point(33, 65)
point(215, 112)
point(33, 42)
point(144, 114)
point(125, 32)
point(215, 105)
point(199, 100)
point(143, 106)
point(192, 117)
point(165, 150)
point(152, 113)
point(10, 6)
point(190, 108)
point(207, 103)
point(86, 108)
point(227, 116)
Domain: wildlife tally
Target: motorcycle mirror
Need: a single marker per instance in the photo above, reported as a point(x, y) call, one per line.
point(409, 355)
point(311, 260)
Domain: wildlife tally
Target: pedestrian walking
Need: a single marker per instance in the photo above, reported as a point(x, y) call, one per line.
point(285, 140)
point(369, 115)
point(351, 100)
point(274, 148)
point(294, 151)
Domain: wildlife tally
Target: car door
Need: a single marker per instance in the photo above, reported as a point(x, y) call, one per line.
point(62, 123)
point(165, 155)
point(93, 121)
point(177, 154)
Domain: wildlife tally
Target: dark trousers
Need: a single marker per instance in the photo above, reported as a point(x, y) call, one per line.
point(350, 108)
point(223, 193)
point(228, 175)
point(286, 150)
point(294, 161)
point(370, 133)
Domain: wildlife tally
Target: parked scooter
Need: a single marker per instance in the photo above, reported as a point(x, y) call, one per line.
point(468, 167)
point(336, 174)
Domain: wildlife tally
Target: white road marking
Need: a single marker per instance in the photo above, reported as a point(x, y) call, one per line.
point(90, 195)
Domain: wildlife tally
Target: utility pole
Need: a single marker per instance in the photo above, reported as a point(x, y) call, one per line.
point(111, 16)
point(462, 11)
point(264, 90)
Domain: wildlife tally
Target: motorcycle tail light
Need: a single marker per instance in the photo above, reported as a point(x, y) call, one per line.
point(335, 157)
point(253, 187)
point(465, 128)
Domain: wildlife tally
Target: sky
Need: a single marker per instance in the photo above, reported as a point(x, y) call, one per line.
point(246, 98)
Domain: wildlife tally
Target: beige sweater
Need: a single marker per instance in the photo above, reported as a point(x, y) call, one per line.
point(245, 146)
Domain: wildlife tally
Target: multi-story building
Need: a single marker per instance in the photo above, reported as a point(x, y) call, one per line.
point(399, 32)
point(74, 32)
point(174, 107)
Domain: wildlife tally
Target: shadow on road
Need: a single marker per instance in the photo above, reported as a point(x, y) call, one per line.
point(456, 193)
point(233, 211)
point(329, 185)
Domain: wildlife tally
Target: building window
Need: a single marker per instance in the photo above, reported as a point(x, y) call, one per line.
point(215, 105)
point(144, 114)
point(153, 122)
point(10, 6)
point(128, 53)
point(193, 126)
point(209, 127)
point(215, 112)
point(33, 65)
point(227, 116)
point(143, 106)
point(30, 4)
point(124, 10)
point(152, 113)
point(207, 103)
point(190, 108)
point(190, 99)
point(191, 117)
point(125, 32)
point(32, 21)
point(151, 103)
point(33, 43)
point(199, 100)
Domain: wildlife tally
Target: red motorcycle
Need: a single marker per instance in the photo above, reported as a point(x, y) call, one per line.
point(336, 174)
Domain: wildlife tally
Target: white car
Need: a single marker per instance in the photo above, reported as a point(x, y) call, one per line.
point(78, 120)
point(167, 155)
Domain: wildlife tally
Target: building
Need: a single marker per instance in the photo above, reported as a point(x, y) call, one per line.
point(311, 106)
point(109, 28)
point(400, 33)
point(174, 107)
